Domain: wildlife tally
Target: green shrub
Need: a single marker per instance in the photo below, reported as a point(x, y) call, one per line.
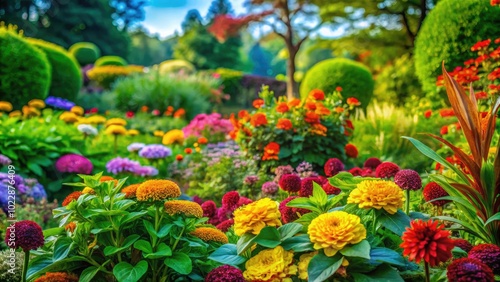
point(24, 69)
point(354, 78)
point(66, 75)
point(160, 91)
point(85, 52)
point(175, 66)
point(110, 61)
point(448, 32)
point(231, 80)
point(105, 76)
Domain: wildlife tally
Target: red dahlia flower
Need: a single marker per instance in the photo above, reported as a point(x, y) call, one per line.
point(372, 163)
point(408, 179)
point(428, 241)
point(333, 166)
point(386, 170)
point(469, 269)
point(290, 183)
point(433, 191)
point(25, 234)
point(488, 254)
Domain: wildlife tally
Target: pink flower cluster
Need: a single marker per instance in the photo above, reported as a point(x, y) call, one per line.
point(222, 217)
point(207, 125)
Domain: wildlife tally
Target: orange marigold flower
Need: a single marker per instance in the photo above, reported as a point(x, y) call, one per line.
point(271, 151)
point(447, 113)
point(144, 109)
point(284, 123)
point(70, 227)
point(258, 119)
point(208, 234)
point(188, 208)
point(188, 151)
point(319, 129)
point(323, 111)
point(179, 113)
point(351, 151)
point(202, 140)
point(293, 103)
point(257, 103)
point(339, 110)
point(105, 178)
point(427, 114)
point(338, 89)
point(157, 190)
point(311, 106)
point(481, 95)
point(57, 277)
point(282, 107)
point(317, 94)
point(179, 157)
point(130, 190)
point(243, 114)
point(444, 130)
point(312, 117)
point(71, 197)
point(428, 241)
point(351, 101)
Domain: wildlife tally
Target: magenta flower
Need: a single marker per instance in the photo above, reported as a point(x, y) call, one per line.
point(73, 163)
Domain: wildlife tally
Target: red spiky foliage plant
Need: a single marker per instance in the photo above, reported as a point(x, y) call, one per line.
point(475, 188)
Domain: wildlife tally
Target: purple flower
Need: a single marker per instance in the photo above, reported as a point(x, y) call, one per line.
point(225, 273)
point(305, 170)
point(155, 151)
point(4, 160)
point(145, 171)
point(73, 163)
point(134, 147)
point(251, 179)
point(35, 189)
point(59, 103)
point(270, 188)
point(118, 165)
point(13, 180)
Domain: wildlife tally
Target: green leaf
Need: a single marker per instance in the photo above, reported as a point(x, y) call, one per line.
point(164, 230)
point(284, 153)
point(150, 228)
point(62, 247)
point(44, 264)
point(53, 231)
point(245, 241)
point(322, 267)
point(180, 262)
point(319, 196)
point(492, 218)
point(123, 204)
point(268, 237)
point(163, 251)
point(300, 243)
point(397, 222)
point(227, 254)
point(289, 230)
point(132, 216)
point(143, 246)
point(361, 250)
point(110, 250)
point(304, 203)
point(35, 168)
point(88, 273)
point(381, 255)
point(125, 272)
point(382, 273)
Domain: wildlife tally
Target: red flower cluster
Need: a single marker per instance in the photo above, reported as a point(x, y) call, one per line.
point(408, 179)
point(433, 191)
point(24, 234)
point(282, 107)
point(351, 151)
point(488, 254)
point(284, 123)
point(317, 94)
point(481, 45)
point(386, 170)
point(257, 103)
point(351, 101)
point(469, 269)
point(462, 244)
point(225, 273)
point(271, 151)
point(258, 119)
point(428, 241)
point(333, 166)
point(290, 183)
point(306, 186)
point(57, 277)
point(427, 114)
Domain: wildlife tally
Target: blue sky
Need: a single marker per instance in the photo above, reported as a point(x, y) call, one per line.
point(165, 16)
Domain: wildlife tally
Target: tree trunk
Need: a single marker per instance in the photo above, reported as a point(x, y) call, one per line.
point(292, 89)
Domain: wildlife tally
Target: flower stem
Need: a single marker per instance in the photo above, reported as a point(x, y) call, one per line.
point(116, 143)
point(25, 265)
point(407, 207)
point(427, 274)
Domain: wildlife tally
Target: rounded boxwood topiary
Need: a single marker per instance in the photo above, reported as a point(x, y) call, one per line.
point(85, 52)
point(174, 66)
point(355, 79)
point(110, 61)
point(24, 69)
point(449, 32)
point(66, 75)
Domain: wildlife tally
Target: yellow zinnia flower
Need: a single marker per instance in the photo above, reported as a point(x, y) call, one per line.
point(157, 190)
point(132, 132)
point(377, 194)
point(208, 234)
point(158, 133)
point(68, 117)
point(5, 106)
point(333, 231)
point(304, 264)
point(15, 113)
point(29, 111)
point(188, 208)
point(88, 190)
point(255, 216)
point(130, 190)
point(37, 103)
point(116, 121)
point(173, 136)
point(77, 110)
point(270, 265)
point(116, 130)
point(97, 119)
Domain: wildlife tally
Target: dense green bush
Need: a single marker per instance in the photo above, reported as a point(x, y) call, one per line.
point(24, 69)
point(85, 52)
point(231, 80)
point(160, 91)
point(66, 75)
point(448, 32)
point(110, 61)
point(175, 66)
point(354, 78)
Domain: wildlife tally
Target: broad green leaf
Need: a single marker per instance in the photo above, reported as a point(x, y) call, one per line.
point(132, 216)
point(304, 203)
point(361, 249)
point(492, 218)
point(143, 246)
point(227, 254)
point(164, 230)
point(319, 196)
point(380, 254)
point(268, 237)
point(300, 243)
point(289, 230)
point(35, 168)
point(180, 262)
point(382, 273)
point(163, 251)
point(397, 222)
point(125, 272)
point(44, 264)
point(53, 231)
point(110, 250)
point(150, 228)
point(88, 273)
point(245, 241)
point(62, 247)
point(322, 267)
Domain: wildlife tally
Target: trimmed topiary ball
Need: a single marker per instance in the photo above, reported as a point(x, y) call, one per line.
point(355, 79)
point(24, 69)
point(66, 75)
point(85, 52)
point(175, 66)
point(110, 61)
point(448, 33)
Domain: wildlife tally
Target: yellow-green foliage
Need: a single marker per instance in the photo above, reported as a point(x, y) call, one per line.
point(175, 66)
point(105, 76)
point(110, 61)
point(24, 69)
point(66, 75)
point(85, 52)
